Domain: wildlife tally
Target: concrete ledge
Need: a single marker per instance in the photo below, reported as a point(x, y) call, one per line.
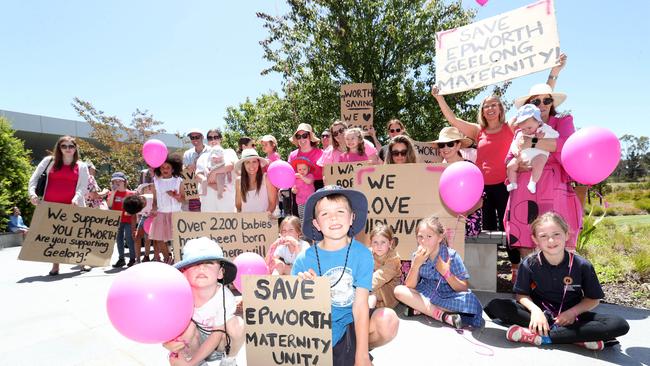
point(8, 240)
point(481, 260)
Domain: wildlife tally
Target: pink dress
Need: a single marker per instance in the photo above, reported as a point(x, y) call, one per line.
point(304, 190)
point(332, 156)
point(351, 157)
point(554, 193)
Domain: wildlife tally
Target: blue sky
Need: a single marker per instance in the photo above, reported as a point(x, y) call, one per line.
point(187, 61)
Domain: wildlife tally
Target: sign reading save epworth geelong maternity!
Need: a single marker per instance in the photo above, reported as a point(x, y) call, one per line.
point(69, 234)
point(496, 49)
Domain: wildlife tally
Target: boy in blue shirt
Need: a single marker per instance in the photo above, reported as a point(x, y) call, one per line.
point(333, 216)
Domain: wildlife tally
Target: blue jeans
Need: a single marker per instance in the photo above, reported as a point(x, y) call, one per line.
point(124, 233)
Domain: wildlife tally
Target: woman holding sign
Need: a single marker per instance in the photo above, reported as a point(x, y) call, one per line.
point(66, 179)
point(255, 193)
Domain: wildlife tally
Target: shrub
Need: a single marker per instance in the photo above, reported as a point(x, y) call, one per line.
point(15, 171)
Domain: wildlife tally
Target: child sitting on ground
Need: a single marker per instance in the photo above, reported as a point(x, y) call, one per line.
point(304, 185)
point(333, 216)
point(215, 332)
point(436, 285)
point(285, 249)
point(530, 124)
point(388, 270)
point(556, 291)
point(217, 180)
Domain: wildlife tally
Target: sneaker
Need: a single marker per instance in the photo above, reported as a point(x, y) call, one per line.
point(520, 334)
point(454, 320)
point(594, 345)
point(145, 259)
point(120, 263)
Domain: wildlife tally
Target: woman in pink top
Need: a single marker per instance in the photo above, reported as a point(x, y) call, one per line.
point(67, 180)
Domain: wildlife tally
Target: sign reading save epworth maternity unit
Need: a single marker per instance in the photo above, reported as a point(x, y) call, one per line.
point(496, 49)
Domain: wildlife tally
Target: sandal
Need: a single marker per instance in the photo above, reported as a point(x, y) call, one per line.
point(454, 320)
point(53, 273)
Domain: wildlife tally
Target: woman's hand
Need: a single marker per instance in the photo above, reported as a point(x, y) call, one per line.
point(435, 91)
point(538, 323)
point(555, 71)
point(35, 201)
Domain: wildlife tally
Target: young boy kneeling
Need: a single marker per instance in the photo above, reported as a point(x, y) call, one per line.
point(214, 332)
point(333, 216)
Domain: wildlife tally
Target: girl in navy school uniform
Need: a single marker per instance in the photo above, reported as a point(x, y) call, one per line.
point(436, 284)
point(556, 291)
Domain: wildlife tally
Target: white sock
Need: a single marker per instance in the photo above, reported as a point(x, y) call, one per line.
point(511, 187)
point(532, 187)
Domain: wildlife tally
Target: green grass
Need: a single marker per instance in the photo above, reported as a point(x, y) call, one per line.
point(631, 220)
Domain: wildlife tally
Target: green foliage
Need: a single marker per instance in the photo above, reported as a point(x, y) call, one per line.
point(16, 170)
point(114, 146)
point(588, 227)
point(320, 45)
point(635, 159)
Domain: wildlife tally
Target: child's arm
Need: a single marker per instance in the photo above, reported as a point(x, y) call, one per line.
point(568, 316)
point(308, 179)
point(444, 268)
point(420, 256)
point(361, 325)
point(538, 322)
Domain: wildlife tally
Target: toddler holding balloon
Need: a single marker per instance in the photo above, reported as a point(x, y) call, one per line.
point(437, 285)
point(215, 332)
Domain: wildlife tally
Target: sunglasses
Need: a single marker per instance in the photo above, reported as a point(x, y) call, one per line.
point(396, 153)
point(395, 130)
point(536, 102)
point(338, 132)
point(441, 145)
point(211, 138)
point(325, 136)
point(195, 137)
point(301, 136)
point(67, 147)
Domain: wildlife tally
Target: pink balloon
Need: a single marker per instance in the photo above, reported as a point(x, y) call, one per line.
point(591, 154)
point(249, 263)
point(482, 2)
point(281, 174)
point(461, 186)
point(150, 303)
point(146, 225)
point(154, 152)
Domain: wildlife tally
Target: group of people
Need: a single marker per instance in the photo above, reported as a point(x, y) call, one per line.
point(527, 194)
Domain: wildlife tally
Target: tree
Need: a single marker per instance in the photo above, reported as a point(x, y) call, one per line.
point(320, 45)
point(114, 146)
point(634, 164)
point(16, 170)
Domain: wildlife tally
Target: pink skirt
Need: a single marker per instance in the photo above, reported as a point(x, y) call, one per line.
point(554, 193)
point(161, 227)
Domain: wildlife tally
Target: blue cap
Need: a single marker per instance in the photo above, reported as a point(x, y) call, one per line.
point(527, 111)
point(118, 176)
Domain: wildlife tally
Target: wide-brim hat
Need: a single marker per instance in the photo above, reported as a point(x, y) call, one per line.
point(448, 134)
point(194, 130)
point(541, 89)
point(248, 154)
point(205, 249)
point(358, 203)
point(302, 160)
point(269, 138)
point(304, 127)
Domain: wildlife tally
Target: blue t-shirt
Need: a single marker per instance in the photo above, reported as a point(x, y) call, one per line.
point(357, 273)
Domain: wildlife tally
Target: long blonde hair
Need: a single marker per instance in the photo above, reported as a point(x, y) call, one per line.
point(386, 231)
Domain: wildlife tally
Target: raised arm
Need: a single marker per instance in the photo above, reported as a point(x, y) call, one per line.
point(555, 71)
point(470, 130)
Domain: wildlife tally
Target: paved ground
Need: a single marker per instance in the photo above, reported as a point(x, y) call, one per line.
point(62, 321)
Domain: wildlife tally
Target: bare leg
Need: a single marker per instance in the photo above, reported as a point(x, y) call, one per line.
point(139, 235)
point(156, 250)
point(165, 251)
point(511, 170)
point(55, 269)
point(418, 302)
point(235, 329)
point(538, 164)
point(383, 327)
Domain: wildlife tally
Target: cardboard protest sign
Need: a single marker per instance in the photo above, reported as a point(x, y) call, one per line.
point(341, 174)
point(288, 320)
point(69, 234)
point(496, 49)
point(356, 105)
point(400, 195)
point(426, 152)
point(190, 185)
point(234, 232)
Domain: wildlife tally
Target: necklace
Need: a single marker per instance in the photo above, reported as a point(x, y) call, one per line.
point(320, 272)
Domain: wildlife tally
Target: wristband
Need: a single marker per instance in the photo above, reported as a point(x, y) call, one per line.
point(534, 142)
point(447, 274)
point(552, 77)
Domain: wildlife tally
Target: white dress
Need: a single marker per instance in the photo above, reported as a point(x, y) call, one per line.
point(210, 202)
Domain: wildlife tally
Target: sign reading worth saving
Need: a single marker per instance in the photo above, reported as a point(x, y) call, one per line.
point(426, 152)
point(69, 234)
point(190, 185)
point(400, 195)
point(341, 174)
point(234, 232)
point(496, 49)
point(357, 107)
point(288, 320)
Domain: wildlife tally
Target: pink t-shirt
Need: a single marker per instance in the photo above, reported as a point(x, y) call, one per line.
point(313, 155)
point(61, 184)
point(271, 157)
point(304, 190)
point(351, 157)
point(332, 156)
point(492, 149)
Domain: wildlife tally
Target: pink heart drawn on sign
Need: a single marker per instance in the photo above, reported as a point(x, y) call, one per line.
point(482, 2)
